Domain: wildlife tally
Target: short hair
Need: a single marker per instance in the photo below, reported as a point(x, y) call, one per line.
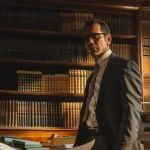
point(103, 25)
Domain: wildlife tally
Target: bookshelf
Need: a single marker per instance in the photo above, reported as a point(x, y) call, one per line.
point(49, 64)
point(145, 24)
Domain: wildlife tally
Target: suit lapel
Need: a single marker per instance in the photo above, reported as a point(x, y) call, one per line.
point(107, 73)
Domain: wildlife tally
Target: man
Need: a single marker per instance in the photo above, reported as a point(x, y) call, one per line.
point(112, 105)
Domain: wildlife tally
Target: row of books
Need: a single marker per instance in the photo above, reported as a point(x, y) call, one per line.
point(16, 113)
point(146, 77)
point(66, 51)
point(74, 21)
point(48, 50)
point(146, 91)
point(73, 82)
point(146, 103)
point(64, 21)
point(126, 51)
point(146, 41)
point(146, 50)
point(119, 24)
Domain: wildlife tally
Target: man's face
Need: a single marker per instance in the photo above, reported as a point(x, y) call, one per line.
point(96, 42)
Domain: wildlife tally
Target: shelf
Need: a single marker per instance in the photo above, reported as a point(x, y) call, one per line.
point(146, 45)
point(145, 21)
point(147, 87)
point(37, 133)
point(27, 64)
point(146, 74)
point(124, 36)
point(38, 96)
point(124, 39)
point(37, 34)
point(39, 128)
point(146, 54)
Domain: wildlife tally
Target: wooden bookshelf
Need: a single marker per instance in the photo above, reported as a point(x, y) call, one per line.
point(145, 24)
point(37, 46)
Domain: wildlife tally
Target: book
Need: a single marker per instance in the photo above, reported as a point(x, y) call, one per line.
point(25, 142)
point(26, 146)
point(61, 140)
point(34, 148)
point(8, 139)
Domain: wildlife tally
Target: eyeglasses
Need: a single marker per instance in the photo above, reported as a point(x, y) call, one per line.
point(93, 36)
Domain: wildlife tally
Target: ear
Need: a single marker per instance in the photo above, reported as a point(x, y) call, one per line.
point(109, 38)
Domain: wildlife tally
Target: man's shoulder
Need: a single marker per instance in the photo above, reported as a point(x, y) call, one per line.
point(118, 60)
point(123, 61)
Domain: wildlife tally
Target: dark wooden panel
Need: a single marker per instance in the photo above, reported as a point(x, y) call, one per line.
point(74, 5)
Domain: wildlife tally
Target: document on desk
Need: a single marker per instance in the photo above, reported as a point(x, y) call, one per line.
point(6, 147)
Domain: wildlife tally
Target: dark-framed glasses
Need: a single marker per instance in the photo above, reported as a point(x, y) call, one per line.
point(93, 36)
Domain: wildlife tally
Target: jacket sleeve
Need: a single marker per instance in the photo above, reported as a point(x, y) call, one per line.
point(83, 134)
point(131, 94)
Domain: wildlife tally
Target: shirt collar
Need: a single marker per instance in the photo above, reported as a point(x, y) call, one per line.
point(104, 58)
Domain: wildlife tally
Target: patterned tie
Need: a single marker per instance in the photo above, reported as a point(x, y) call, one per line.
point(91, 91)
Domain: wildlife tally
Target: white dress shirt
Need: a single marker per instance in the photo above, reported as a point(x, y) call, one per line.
point(91, 118)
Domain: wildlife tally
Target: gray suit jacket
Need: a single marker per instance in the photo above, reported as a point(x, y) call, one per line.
point(119, 105)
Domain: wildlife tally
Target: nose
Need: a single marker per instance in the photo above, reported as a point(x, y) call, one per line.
point(89, 40)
